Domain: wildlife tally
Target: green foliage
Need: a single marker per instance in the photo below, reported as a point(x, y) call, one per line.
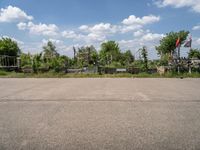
point(152, 64)
point(72, 75)
point(93, 56)
point(26, 59)
point(37, 61)
point(52, 60)
point(59, 64)
point(164, 60)
point(49, 51)
point(110, 55)
point(138, 64)
point(8, 47)
point(143, 63)
point(144, 54)
point(109, 52)
point(114, 65)
point(194, 53)
point(87, 56)
point(168, 43)
point(3, 73)
point(126, 58)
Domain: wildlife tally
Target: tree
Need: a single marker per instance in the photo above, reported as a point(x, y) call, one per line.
point(37, 62)
point(144, 54)
point(59, 63)
point(126, 58)
point(50, 51)
point(194, 53)
point(93, 57)
point(168, 43)
point(9, 47)
point(109, 52)
point(26, 59)
point(87, 56)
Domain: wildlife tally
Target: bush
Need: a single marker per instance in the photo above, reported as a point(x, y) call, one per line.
point(25, 59)
point(57, 64)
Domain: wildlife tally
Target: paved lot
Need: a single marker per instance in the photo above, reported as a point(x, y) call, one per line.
point(149, 114)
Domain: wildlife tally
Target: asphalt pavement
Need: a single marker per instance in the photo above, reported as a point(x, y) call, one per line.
point(90, 114)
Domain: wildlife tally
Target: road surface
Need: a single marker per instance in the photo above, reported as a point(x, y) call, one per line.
point(113, 114)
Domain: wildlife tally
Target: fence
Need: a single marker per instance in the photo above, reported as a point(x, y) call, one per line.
point(9, 61)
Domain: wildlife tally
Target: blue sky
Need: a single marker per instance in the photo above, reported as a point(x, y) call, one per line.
point(69, 23)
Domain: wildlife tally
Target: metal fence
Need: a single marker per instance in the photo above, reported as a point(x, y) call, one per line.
point(9, 61)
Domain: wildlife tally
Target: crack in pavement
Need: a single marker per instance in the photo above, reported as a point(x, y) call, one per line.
point(97, 100)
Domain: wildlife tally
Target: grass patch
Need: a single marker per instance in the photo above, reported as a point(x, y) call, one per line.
point(4, 74)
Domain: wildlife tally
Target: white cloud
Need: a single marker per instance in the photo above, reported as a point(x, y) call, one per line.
point(22, 26)
point(195, 42)
point(130, 44)
point(84, 28)
point(95, 37)
point(133, 20)
point(71, 35)
point(92, 34)
point(133, 23)
point(145, 37)
point(13, 14)
point(152, 37)
point(193, 4)
point(196, 27)
point(101, 28)
point(142, 38)
point(54, 41)
point(104, 28)
point(126, 29)
point(138, 33)
point(198, 41)
point(103, 31)
point(39, 29)
point(98, 33)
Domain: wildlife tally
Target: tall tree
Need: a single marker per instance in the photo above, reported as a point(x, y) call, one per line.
point(9, 47)
point(93, 55)
point(129, 58)
point(126, 58)
point(50, 51)
point(144, 54)
point(87, 56)
point(109, 52)
point(168, 43)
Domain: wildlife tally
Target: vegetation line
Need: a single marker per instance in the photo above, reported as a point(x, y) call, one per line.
point(110, 61)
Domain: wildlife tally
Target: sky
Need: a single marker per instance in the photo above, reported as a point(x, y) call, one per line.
point(67, 23)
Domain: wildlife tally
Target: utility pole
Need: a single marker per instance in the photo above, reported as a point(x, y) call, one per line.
point(190, 68)
point(179, 58)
